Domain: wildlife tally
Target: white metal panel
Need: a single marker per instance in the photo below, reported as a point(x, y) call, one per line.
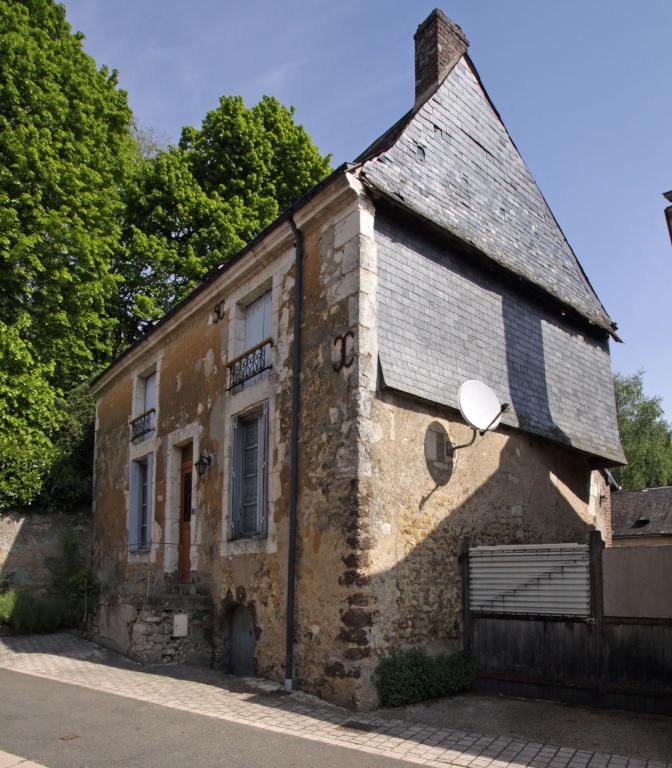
point(549, 579)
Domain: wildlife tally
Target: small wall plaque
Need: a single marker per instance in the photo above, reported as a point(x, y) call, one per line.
point(180, 624)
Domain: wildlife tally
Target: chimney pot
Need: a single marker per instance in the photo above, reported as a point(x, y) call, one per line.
point(439, 45)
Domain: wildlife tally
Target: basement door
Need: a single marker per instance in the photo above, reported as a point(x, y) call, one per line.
point(185, 514)
point(243, 642)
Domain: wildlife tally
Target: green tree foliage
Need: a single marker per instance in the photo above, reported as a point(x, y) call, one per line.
point(645, 434)
point(65, 146)
point(191, 207)
point(102, 230)
point(28, 414)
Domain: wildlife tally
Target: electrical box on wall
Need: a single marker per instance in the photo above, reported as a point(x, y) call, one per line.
point(180, 625)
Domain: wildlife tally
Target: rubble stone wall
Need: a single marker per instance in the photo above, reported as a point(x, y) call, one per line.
point(507, 488)
point(147, 633)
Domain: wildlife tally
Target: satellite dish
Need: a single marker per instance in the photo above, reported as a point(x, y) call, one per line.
point(479, 405)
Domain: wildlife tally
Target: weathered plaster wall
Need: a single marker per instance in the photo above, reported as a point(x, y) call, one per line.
point(28, 541)
point(193, 405)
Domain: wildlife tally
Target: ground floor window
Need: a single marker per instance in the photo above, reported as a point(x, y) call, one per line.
point(249, 473)
point(140, 518)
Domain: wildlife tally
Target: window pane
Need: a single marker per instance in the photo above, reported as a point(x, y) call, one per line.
point(150, 392)
point(258, 321)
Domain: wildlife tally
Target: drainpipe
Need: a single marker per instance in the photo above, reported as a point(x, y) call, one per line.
point(294, 457)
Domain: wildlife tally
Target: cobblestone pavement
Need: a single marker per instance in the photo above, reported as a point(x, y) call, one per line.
point(260, 704)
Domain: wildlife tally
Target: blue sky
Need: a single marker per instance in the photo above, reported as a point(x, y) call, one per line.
point(580, 85)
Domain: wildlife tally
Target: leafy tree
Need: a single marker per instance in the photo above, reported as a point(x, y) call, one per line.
point(65, 147)
point(191, 207)
point(28, 414)
point(646, 436)
point(102, 230)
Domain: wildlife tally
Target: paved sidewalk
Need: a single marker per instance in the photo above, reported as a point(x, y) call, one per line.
point(68, 659)
point(14, 761)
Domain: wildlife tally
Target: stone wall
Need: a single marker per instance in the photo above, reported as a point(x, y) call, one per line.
point(150, 633)
point(29, 541)
point(339, 367)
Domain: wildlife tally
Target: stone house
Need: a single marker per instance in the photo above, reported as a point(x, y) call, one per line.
point(274, 485)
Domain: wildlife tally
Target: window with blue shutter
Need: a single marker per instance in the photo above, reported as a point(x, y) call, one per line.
point(249, 472)
point(140, 518)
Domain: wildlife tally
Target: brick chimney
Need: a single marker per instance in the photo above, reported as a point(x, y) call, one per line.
point(439, 45)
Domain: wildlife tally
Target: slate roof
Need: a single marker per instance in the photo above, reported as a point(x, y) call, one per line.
point(652, 504)
point(453, 162)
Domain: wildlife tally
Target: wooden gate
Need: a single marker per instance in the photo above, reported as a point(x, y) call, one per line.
point(534, 625)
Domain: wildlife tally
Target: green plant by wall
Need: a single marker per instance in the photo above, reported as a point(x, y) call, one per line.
point(407, 676)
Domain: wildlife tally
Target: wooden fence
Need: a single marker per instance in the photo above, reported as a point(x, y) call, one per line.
point(613, 661)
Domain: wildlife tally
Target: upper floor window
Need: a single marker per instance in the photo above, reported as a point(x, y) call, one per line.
point(256, 343)
point(257, 321)
point(144, 406)
point(149, 391)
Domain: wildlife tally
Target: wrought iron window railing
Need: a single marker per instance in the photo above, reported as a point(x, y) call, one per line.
point(250, 363)
point(143, 424)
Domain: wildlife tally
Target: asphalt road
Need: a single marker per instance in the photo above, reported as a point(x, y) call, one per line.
point(115, 732)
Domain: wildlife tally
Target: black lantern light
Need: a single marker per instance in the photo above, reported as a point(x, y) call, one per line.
point(202, 464)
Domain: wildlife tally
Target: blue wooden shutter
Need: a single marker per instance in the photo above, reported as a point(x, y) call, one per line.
point(150, 392)
point(134, 511)
point(150, 497)
point(235, 479)
point(263, 470)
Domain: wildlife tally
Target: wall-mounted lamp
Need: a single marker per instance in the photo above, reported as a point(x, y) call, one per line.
point(202, 464)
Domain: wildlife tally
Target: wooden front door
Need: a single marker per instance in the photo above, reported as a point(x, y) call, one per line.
point(185, 514)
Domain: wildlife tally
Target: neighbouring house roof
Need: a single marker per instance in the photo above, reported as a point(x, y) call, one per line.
point(642, 513)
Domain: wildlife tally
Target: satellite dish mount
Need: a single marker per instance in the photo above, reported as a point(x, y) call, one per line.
point(480, 408)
